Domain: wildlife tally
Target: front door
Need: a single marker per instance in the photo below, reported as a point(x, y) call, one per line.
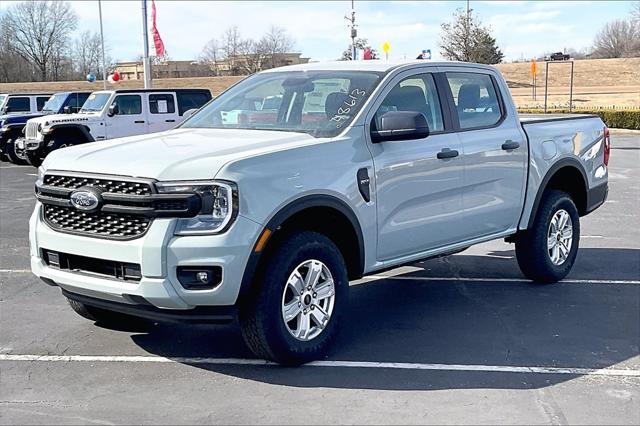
point(419, 196)
point(129, 118)
point(163, 114)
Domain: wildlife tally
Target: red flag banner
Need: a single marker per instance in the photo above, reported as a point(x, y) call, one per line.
point(157, 40)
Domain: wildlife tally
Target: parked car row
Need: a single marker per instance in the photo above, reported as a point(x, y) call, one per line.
point(34, 125)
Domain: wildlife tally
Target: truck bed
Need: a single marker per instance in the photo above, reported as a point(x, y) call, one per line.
point(544, 118)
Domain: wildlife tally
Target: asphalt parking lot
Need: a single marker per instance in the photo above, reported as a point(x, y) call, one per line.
point(462, 339)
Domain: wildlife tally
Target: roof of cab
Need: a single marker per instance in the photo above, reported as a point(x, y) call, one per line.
point(373, 65)
point(153, 90)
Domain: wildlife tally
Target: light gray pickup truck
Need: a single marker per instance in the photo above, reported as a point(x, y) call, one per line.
point(266, 202)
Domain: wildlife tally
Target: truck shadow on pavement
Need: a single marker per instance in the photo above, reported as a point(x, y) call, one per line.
point(412, 320)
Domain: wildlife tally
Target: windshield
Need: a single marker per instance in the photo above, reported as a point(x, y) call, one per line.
point(2, 98)
point(95, 102)
point(320, 103)
point(54, 103)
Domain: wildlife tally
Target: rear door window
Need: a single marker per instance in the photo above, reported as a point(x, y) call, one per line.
point(161, 103)
point(475, 99)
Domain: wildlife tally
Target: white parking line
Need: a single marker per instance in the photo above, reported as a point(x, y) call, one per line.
point(500, 280)
point(341, 364)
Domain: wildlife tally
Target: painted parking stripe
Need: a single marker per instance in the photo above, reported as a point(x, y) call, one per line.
point(340, 364)
point(377, 277)
point(502, 280)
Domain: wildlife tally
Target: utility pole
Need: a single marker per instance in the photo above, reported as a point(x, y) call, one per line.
point(145, 40)
point(104, 65)
point(354, 31)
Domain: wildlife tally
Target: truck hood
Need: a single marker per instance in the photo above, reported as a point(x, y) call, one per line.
point(180, 154)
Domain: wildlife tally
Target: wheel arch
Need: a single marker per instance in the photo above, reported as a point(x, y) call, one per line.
point(72, 130)
point(567, 175)
point(325, 214)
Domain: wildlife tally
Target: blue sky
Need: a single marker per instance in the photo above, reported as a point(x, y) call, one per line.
point(522, 28)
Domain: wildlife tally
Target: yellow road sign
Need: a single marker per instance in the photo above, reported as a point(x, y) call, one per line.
point(534, 67)
point(386, 47)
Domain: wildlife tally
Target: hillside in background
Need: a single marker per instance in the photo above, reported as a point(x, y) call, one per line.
point(597, 83)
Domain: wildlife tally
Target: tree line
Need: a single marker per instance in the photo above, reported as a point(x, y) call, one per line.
point(241, 56)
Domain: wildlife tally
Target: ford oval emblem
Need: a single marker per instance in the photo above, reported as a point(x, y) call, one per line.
point(85, 200)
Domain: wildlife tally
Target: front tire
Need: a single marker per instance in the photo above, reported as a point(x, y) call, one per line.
point(10, 151)
point(547, 251)
point(296, 310)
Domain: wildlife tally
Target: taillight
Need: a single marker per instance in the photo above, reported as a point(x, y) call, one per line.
point(607, 145)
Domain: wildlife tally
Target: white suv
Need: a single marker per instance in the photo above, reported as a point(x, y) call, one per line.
point(111, 114)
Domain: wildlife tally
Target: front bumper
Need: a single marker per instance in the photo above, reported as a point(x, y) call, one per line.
point(159, 253)
point(32, 144)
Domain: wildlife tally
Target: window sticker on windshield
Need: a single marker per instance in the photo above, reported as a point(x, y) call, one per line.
point(92, 96)
point(344, 111)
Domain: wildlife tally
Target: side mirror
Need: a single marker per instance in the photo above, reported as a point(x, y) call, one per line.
point(6, 110)
point(188, 113)
point(401, 126)
point(67, 110)
point(113, 110)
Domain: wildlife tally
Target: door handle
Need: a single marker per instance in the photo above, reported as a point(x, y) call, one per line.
point(447, 153)
point(139, 121)
point(169, 121)
point(507, 145)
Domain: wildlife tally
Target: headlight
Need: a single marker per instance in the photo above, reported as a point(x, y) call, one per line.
point(219, 205)
point(40, 179)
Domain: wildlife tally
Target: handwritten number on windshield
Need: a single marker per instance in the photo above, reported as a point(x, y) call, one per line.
point(344, 111)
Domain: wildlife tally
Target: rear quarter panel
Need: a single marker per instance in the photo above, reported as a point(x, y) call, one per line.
point(579, 139)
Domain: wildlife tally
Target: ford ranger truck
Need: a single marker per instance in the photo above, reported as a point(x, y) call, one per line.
point(265, 210)
point(110, 114)
point(12, 126)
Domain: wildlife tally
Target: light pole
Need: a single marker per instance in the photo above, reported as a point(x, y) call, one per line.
point(354, 31)
point(104, 64)
point(145, 40)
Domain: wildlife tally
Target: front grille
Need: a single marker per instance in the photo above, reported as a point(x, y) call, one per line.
point(112, 186)
point(125, 210)
point(91, 265)
point(31, 130)
point(113, 225)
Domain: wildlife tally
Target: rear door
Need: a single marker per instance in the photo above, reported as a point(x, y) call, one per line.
point(418, 195)
point(163, 114)
point(495, 152)
point(130, 116)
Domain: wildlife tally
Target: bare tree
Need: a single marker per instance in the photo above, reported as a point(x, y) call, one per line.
point(230, 47)
point(211, 54)
point(466, 39)
point(87, 54)
point(37, 29)
point(617, 39)
point(273, 45)
point(635, 11)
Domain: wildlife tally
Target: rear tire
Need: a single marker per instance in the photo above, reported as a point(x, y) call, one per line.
point(547, 251)
point(109, 319)
point(305, 279)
